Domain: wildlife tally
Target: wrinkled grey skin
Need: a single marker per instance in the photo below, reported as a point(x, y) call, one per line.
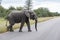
point(21, 17)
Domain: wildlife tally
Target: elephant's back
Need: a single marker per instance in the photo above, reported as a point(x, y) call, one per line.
point(16, 16)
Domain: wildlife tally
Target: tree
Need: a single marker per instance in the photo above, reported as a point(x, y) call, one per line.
point(42, 12)
point(0, 2)
point(11, 8)
point(19, 8)
point(28, 4)
point(2, 11)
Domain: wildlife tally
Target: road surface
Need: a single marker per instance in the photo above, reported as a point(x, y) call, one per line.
point(48, 30)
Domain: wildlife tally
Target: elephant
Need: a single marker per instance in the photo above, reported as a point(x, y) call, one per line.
point(22, 17)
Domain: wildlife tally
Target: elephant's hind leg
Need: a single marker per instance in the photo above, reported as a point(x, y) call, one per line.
point(9, 28)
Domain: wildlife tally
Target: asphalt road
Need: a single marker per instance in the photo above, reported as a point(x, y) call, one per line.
point(48, 30)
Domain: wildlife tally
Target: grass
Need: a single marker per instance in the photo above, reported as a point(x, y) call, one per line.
point(3, 23)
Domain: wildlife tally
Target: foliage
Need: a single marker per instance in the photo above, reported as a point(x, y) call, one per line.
point(11, 8)
point(44, 12)
point(19, 8)
point(4, 12)
point(41, 12)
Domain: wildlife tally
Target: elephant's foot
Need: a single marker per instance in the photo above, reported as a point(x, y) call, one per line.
point(20, 30)
point(7, 28)
point(29, 30)
point(11, 30)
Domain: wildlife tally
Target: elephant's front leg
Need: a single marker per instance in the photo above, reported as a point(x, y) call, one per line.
point(22, 24)
point(28, 25)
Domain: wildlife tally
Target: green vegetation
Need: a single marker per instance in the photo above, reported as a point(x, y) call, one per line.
point(41, 12)
point(44, 12)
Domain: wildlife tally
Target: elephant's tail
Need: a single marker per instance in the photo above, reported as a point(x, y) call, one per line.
point(6, 22)
point(7, 25)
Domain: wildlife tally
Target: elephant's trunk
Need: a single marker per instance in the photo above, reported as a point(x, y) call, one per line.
point(36, 24)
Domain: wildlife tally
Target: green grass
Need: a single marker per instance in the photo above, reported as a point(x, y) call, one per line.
point(3, 23)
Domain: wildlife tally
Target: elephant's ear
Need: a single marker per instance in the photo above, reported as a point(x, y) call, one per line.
point(27, 14)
